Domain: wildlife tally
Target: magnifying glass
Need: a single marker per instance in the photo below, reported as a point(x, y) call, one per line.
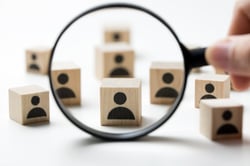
point(118, 71)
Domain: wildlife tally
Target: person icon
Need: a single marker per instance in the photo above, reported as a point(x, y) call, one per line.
point(33, 66)
point(167, 92)
point(227, 128)
point(119, 71)
point(64, 92)
point(37, 111)
point(116, 37)
point(120, 112)
point(209, 88)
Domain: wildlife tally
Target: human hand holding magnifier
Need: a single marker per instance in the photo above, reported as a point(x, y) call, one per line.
point(155, 47)
point(232, 54)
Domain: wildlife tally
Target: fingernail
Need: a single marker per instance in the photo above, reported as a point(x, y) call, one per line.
point(219, 54)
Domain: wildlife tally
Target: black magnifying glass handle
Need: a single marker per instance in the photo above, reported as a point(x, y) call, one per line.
point(197, 58)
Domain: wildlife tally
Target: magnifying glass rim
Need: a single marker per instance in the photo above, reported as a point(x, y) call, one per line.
point(127, 135)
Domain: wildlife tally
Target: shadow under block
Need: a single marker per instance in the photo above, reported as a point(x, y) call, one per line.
point(209, 86)
point(66, 79)
point(120, 102)
point(114, 34)
point(114, 60)
point(29, 104)
point(221, 119)
point(37, 60)
point(166, 81)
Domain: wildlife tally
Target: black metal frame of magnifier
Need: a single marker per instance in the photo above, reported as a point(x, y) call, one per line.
point(192, 58)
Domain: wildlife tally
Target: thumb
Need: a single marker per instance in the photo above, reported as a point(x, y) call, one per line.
point(231, 55)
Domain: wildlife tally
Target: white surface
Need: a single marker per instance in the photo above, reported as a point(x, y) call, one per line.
point(30, 23)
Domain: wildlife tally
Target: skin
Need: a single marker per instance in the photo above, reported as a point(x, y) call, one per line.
point(232, 54)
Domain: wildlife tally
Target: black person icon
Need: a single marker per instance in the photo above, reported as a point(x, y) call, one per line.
point(167, 92)
point(227, 128)
point(114, 60)
point(66, 79)
point(120, 112)
point(64, 92)
point(33, 65)
point(36, 111)
point(120, 102)
point(221, 118)
point(116, 36)
point(209, 88)
point(37, 59)
point(29, 104)
point(119, 71)
point(165, 81)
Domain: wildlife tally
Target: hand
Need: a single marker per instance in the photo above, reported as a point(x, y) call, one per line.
point(233, 53)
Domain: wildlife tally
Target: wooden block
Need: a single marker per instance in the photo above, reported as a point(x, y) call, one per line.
point(219, 71)
point(66, 78)
point(115, 34)
point(114, 60)
point(120, 102)
point(196, 70)
point(209, 86)
point(221, 119)
point(29, 104)
point(37, 60)
point(166, 81)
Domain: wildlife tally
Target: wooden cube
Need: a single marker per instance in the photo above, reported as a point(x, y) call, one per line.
point(219, 71)
point(210, 86)
point(221, 118)
point(115, 34)
point(196, 70)
point(29, 104)
point(120, 102)
point(114, 60)
point(166, 81)
point(66, 78)
point(37, 60)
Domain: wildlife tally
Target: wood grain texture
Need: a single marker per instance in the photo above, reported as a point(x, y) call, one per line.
point(110, 58)
point(220, 85)
point(214, 118)
point(73, 83)
point(20, 104)
point(158, 71)
point(37, 60)
point(114, 34)
point(132, 89)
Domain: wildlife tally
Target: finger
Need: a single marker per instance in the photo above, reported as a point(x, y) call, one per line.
point(231, 55)
point(240, 82)
point(240, 23)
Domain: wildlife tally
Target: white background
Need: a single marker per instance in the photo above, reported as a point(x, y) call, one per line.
point(29, 23)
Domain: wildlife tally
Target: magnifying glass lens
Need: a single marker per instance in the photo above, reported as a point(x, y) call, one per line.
point(117, 72)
